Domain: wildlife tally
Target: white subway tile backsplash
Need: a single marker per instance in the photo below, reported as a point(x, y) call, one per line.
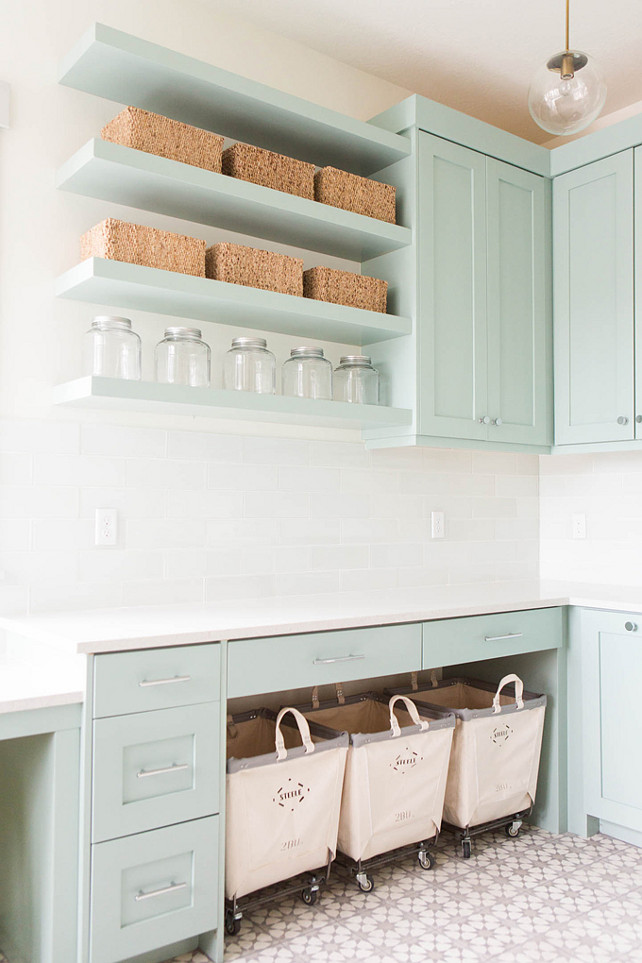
point(213, 517)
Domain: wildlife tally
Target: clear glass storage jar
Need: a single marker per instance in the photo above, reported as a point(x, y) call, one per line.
point(249, 366)
point(183, 358)
point(307, 374)
point(356, 380)
point(111, 349)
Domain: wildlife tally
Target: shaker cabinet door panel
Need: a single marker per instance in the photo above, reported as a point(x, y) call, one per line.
point(452, 290)
point(593, 302)
point(518, 305)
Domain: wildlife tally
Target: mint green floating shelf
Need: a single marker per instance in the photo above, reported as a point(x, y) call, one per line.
point(126, 69)
point(111, 394)
point(137, 179)
point(130, 286)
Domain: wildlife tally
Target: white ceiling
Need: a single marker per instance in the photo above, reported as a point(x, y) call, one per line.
point(475, 55)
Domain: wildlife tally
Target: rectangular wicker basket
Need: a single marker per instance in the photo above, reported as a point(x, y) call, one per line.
point(148, 246)
point(254, 268)
point(155, 134)
point(342, 287)
point(264, 167)
point(353, 193)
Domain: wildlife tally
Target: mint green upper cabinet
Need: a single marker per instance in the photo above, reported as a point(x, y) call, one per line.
point(593, 302)
point(638, 288)
point(484, 302)
point(518, 304)
point(452, 290)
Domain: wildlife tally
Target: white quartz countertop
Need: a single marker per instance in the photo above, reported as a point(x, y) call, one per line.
point(43, 660)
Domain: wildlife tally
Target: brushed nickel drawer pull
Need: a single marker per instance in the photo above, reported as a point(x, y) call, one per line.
point(172, 888)
point(143, 773)
point(340, 658)
point(175, 678)
point(500, 638)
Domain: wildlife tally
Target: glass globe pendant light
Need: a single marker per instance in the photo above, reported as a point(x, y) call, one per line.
point(568, 92)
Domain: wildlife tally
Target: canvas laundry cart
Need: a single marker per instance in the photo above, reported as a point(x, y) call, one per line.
point(492, 776)
point(395, 778)
point(284, 780)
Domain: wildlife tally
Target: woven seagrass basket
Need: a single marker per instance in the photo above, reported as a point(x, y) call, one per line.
point(147, 246)
point(353, 193)
point(254, 268)
point(264, 167)
point(155, 134)
point(343, 287)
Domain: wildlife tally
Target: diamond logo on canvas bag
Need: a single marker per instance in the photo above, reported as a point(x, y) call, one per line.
point(501, 734)
point(406, 760)
point(290, 794)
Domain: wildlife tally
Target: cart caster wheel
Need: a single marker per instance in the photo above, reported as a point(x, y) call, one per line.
point(512, 830)
point(425, 860)
point(309, 896)
point(232, 924)
point(466, 848)
point(365, 883)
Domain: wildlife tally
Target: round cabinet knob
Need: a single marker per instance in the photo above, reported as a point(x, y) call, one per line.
point(623, 420)
point(638, 419)
point(498, 422)
point(631, 626)
point(485, 420)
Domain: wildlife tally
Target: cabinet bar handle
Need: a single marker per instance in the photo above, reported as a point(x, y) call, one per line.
point(172, 888)
point(143, 773)
point(175, 678)
point(341, 658)
point(500, 638)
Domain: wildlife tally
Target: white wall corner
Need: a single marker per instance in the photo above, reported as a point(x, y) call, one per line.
point(5, 97)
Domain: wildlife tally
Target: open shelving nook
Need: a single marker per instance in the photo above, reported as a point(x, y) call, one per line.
point(111, 394)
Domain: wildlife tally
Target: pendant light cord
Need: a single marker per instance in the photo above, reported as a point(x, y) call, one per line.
point(567, 29)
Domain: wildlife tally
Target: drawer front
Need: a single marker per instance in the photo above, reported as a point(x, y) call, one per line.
point(295, 661)
point(453, 641)
point(156, 679)
point(153, 889)
point(154, 768)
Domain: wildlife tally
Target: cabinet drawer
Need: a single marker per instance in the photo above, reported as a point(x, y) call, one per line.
point(153, 889)
point(452, 641)
point(294, 661)
point(154, 768)
point(156, 679)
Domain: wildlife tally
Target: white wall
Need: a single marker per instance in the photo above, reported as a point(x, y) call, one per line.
point(206, 511)
point(607, 488)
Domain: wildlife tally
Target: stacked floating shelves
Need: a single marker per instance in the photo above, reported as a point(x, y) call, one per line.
point(120, 67)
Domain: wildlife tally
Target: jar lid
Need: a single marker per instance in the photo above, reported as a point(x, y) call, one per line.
point(249, 343)
point(304, 352)
point(356, 359)
point(177, 332)
point(110, 321)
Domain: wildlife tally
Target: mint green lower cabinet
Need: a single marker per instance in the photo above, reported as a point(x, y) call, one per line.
point(154, 768)
point(593, 302)
point(153, 889)
point(453, 641)
point(611, 724)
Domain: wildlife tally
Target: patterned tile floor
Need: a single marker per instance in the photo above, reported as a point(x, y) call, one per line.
point(536, 899)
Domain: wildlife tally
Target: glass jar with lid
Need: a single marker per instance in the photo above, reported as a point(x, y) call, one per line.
point(249, 366)
point(307, 374)
point(112, 349)
point(183, 358)
point(356, 380)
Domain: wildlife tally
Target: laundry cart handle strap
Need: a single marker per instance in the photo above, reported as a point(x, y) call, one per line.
point(304, 729)
point(519, 691)
point(411, 708)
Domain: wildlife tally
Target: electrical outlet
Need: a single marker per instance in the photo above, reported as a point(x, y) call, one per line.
point(437, 524)
point(578, 523)
point(106, 532)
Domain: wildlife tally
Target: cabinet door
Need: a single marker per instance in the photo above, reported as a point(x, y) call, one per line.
point(612, 717)
point(452, 290)
point(638, 288)
point(519, 383)
point(593, 301)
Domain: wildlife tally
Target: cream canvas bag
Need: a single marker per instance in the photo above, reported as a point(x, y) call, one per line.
point(282, 805)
